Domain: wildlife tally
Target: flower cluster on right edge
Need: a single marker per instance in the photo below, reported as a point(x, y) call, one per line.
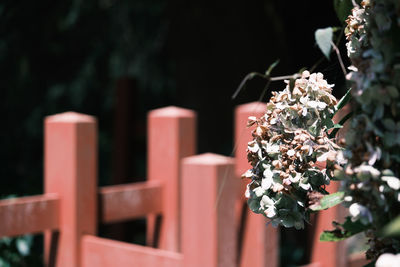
point(293, 154)
point(290, 141)
point(371, 174)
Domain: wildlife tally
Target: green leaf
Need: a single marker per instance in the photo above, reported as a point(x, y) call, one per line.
point(343, 101)
point(343, 231)
point(328, 123)
point(341, 123)
point(389, 124)
point(393, 92)
point(332, 236)
point(354, 227)
point(271, 67)
point(254, 204)
point(343, 9)
point(393, 228)
point(323, 37)
point(336, 126)
point(329, 201)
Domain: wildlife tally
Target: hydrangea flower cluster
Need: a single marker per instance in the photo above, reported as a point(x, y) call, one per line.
point(290, 145)
point(355, 31)
point(371, 174)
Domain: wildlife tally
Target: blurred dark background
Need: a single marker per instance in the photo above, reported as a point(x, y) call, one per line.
point(117, 60)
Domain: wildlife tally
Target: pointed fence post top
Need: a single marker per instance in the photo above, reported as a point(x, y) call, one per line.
point(208, 159)
point(172, 111)
point(252, 107)
point(70, 117)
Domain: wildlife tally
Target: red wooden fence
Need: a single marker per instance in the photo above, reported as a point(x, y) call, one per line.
point(199, 199)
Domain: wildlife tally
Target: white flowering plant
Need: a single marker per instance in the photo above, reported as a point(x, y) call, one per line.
point(289, 142)
point(294, 153)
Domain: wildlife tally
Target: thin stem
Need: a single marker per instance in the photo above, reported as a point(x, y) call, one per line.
point(280, 78)
point(267, 77)
point(264, 91)
point(339, 58)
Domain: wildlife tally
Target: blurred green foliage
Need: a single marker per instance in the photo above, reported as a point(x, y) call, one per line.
point(17, 252)
point(66, 55)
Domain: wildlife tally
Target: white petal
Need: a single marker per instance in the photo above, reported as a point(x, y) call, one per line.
point(253, 147)
point(323, 157)
point(295, 179)
point(267, 201)
point(266, 182)
point(270, 212)
point(322, 105)
point(247, 193)
point(268, 173)
point(348, 198)
point(277, 187)
point(312, 104)
point(272, 149)
point(291, 152)
point(248, 174)
point(393, 182)
point(259, 191)
point(354, 210)
point(306, 186)
point(388, 260)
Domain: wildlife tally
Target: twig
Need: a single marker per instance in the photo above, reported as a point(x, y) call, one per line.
point(339, 58)
point(280, 78)
point(267, 77)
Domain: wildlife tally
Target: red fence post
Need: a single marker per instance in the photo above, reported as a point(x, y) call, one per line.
point(260, 243)
point(208, 199)
point(330, 254)
point(171, 137)
point(70, 169)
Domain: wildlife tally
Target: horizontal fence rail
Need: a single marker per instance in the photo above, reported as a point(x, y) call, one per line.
point(35, 214)
point(130, 201)
point(26, 215)
point(102, 252)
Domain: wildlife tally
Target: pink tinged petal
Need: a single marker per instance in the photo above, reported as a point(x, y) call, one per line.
point(270, 212)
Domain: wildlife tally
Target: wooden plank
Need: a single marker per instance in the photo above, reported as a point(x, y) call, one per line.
point(312, 265)
point(128, 201)
point(102, 252)
point(330, 254)
point(260, 243)
point(171, 136)
point(28, 215)
point(208, 201)
point(70, 170)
